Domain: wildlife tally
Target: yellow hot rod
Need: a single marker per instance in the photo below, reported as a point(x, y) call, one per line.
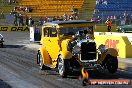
point(69, 46)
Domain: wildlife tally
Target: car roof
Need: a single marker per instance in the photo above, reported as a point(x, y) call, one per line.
point(67, 22)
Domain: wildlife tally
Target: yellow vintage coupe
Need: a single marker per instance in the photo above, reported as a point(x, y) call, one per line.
point(69, 46)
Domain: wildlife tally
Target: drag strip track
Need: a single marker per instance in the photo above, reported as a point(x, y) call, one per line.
point(27, 68)
point(18, 69)
point(23, 65)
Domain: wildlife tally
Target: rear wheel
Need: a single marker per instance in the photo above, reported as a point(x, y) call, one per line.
point(62, 68)
point(40, 60)
point(112, 64)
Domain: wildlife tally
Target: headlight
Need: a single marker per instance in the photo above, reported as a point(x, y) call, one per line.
point(76, 49)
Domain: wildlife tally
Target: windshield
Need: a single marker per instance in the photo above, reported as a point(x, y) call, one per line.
point(73, 31)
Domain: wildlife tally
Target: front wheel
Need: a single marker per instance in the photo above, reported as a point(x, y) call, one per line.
point(112, 64)
point(62, 67)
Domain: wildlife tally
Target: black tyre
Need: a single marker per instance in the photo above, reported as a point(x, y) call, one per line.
point(1, 45)
point(38, 57)
point(112, 64)
point(62, 68)
point(84, 82)
point(40, 61)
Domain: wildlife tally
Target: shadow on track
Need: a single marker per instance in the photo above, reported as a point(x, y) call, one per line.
point(95, 75)
point(4, 84)
point(13, 46)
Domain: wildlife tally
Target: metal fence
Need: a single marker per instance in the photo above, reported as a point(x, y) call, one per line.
point(117, 17)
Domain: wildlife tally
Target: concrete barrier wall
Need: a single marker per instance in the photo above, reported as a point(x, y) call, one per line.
point(14, 28)
point(103, 28)
point(35, 34)
point(122, 42)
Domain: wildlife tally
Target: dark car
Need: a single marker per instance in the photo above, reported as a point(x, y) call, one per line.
point(125, 29)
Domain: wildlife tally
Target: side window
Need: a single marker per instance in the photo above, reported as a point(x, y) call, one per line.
point(53, 32)
point(46, 32)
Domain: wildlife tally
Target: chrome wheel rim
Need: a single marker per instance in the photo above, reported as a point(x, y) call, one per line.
point(41, 61)
point(61, 65)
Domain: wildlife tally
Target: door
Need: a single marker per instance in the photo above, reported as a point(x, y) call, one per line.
point(46, 37)
point(54, 44)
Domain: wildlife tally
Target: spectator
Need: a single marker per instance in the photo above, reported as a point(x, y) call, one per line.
point(127, 19)
point(20, 20)
point(74, 12)
point(30, 9)
point(10, 2)
point(71, 17)
point(15, 8)
point(64, 17)
point(131, 19)
point(44, 22)
point(98, 19)
point(96, 11)
point(15, 19)
point(76, 17)
point(97, 2)
point(26, 9)
point(68, 17)
point(15, 14)
point(27, 21)
point(100, 1)
point(73, 9)
point(54, 18)
point(109, 24)
point(22, 8)
point(41, 21)
point(105, 2)
point(114, 19)
point(111, 18)
point(46, 19)
point(2, 16)
point(14, 1)
point(32, 22)
point(61, 18)
point(93, 19)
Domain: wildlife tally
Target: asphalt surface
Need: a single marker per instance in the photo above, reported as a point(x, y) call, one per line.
point(18, 68)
